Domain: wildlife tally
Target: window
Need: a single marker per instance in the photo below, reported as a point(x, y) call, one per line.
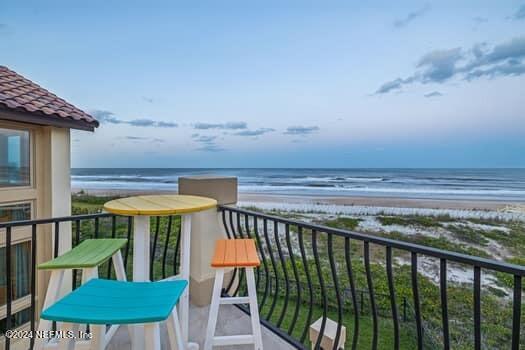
point(20, 271)
point(15, 212)
point(14, 158)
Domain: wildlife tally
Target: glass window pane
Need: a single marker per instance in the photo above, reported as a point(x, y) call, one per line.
point(17, 320)
point(15, 212)
point(14, 158)
point(20, 271)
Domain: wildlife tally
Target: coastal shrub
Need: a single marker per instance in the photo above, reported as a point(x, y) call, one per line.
point(416, 220)
point(342, 222)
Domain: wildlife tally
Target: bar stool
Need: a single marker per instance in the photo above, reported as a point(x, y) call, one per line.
point(87, 256)
point(100, 302)
point(237, 253)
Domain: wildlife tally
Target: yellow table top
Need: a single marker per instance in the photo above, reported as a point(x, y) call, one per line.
point(159, 205)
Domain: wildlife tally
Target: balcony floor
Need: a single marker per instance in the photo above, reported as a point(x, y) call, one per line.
point(231, 321)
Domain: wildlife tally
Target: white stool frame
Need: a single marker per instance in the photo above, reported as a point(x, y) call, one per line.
point(217, 300)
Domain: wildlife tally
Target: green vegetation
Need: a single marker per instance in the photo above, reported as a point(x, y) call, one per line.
point(423, 221)
point(342, 222)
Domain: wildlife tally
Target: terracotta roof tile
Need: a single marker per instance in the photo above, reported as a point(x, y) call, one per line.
point(21, 94)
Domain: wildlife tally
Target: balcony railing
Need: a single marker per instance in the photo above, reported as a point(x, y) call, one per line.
point(308, 272)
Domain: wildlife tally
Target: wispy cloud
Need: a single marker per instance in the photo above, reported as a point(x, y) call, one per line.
point(480, 20)
point(147, 99)
point(301, 130)
point(520, 13)
point(402, 22)
point(108, 117)
point(438, 66)
point(207, 143)
point(227, 126)
point(141, 138)
point(256, 132)
point(433, 94)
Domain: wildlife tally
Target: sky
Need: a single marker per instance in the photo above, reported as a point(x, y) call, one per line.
point(280, 83)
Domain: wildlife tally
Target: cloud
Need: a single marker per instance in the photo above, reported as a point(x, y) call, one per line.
point(140, 138)
point(257, 132)
point(520, 13)
point(438, 66)
point(108, 117)
point(301, 130)
point(207, 143)
point(400, 23)
point(433, 94)
point(227, 125)
point(480, 20)
point(147, 99)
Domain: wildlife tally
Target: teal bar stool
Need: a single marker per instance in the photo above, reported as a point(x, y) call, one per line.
point(102, 302)
point(87, 257)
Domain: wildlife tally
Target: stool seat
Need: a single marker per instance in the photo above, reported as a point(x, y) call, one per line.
point(90, 253)
point(235, 253)
point(101, 301)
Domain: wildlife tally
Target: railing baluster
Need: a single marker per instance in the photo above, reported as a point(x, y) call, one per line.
point(33, 284)
point(477, 308)
point(391, 289)
point(258, 268)
point(165, 255)
point(235, 270)
point(97, 226)
point(274, 266)
point(351, 280)
point(370, 285)
point(444, 302)
point(177, 248)
point(285, 273)
point(337, 293)
point(323, 292)
point(128, 244)
point(57, 239)
point(153, 249)
point(265, 265)
point(309, 281)
point(240, 282)
point(516, 313)
point(76, 242)
point(8, 282)
point(225, 224)
point(297, 281)
point(415, 292)
point(113, 235)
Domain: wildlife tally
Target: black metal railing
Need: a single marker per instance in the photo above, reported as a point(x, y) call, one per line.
point(371, 285)
point(307, 270)
point(164, 255)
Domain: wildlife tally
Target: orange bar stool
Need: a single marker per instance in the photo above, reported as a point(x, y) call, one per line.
point(239, 253)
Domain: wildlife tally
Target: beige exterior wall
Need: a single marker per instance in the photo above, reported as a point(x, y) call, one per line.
point(49, 195)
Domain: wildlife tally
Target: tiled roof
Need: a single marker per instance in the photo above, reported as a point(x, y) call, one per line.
point(22, 95)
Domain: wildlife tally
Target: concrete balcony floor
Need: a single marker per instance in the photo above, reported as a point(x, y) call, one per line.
point(231, 321)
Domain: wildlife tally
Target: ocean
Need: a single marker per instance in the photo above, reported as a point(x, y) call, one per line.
point(470, 184)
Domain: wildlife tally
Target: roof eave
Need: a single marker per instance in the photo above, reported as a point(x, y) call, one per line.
point(47, 120)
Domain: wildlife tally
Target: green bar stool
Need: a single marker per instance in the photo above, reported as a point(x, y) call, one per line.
point(87, 256)
point(100, 302)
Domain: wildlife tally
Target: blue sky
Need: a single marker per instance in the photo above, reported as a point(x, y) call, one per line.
point(281, 83)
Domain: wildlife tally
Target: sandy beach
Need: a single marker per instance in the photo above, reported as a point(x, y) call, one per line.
point(339, 200)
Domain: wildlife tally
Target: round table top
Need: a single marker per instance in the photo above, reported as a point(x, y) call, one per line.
point(159, 205)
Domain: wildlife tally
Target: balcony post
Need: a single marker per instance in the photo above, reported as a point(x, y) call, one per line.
point(206, 228)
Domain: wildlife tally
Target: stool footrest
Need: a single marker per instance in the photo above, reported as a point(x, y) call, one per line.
point(233, 340)
point(234, 300)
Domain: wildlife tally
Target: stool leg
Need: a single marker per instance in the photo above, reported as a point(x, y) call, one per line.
point(68, 343)
point(152, 335)
point(254, 308)
point(214, 309)
point(174, 331)
point(53, 291)
point(118, 265)
point(98, 340)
